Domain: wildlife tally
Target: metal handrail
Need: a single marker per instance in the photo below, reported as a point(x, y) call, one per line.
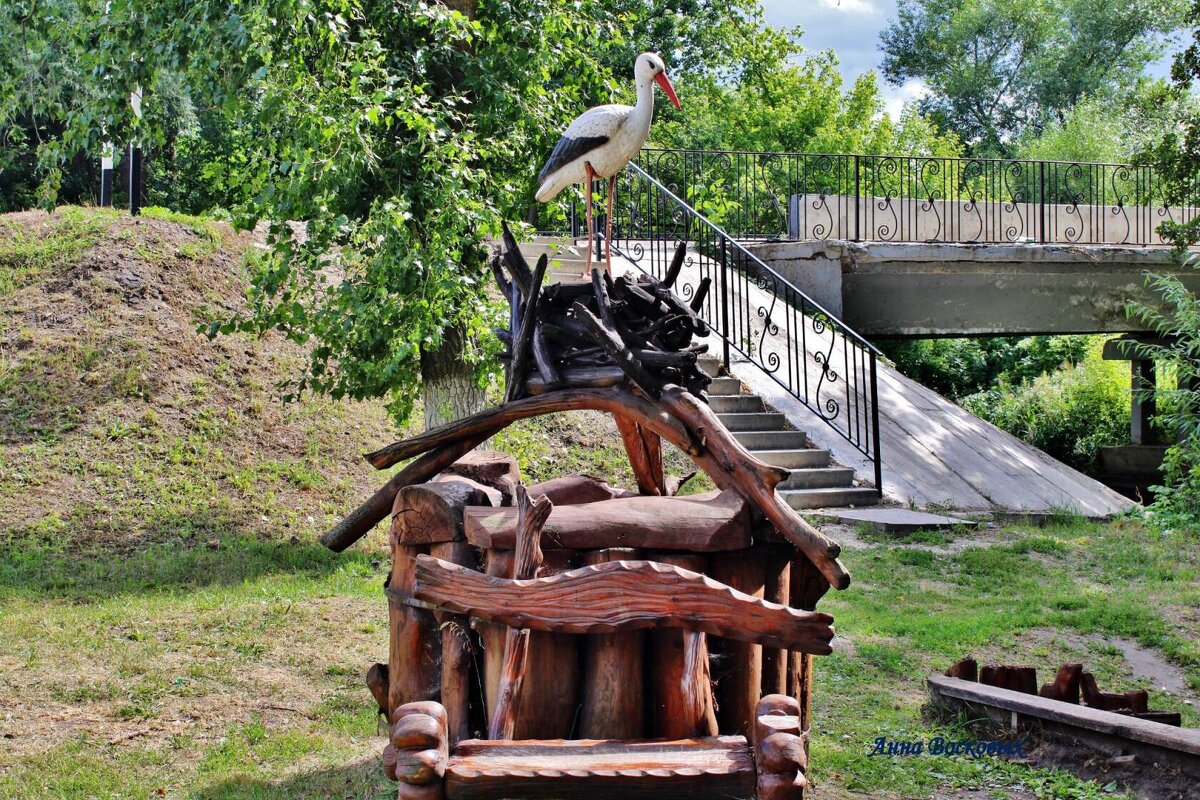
point(796, 336)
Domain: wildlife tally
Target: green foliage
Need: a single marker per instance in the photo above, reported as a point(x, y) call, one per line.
point(1070, 414)
point(1000, 68)
point(960, 367)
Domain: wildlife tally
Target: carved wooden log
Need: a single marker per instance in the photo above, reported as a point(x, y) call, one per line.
point(421, 750)
point(456, 651)
point(433, 512)
point(644, 449)
point(1135, 701)
point(776, 589)
point(967, 669)
point(491, 468)
point(531, 517)
point(360, 521)
point(414, 647)
point(697, 523)
point(701, 769)
point(1018, 678)
point(494, 496)
point(377, 683)
point(624, 595)
point(1065, 687)
point(681, 696)
point(779, 749)
point(572, 490)
point(740, 687)
point(613, 706)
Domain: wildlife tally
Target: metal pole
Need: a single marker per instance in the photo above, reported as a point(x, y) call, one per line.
point(725, 300)
point(135, 180)
point(106, 176)
point(1042, 199)
point(875, 427)
point(857, 229)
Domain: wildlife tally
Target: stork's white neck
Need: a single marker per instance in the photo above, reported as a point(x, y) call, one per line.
point(643, 112)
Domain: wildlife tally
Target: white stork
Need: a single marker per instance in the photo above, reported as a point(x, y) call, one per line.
point(601, 141)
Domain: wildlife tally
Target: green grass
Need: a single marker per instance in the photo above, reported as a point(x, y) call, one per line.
point(28, 253)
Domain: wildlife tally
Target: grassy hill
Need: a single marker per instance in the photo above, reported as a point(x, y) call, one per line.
point(168, 626)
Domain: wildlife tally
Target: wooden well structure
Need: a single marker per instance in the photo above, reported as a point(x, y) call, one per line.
point(573, 639)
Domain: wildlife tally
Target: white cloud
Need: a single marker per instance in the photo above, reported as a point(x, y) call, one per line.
point(895, 97)
point(850, 6)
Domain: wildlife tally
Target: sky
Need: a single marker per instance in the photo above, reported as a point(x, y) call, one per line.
point(851, 29)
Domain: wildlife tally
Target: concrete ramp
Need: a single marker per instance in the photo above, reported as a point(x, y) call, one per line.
point(937, 455)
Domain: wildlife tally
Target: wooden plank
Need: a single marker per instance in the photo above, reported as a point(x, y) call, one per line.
point(718, 768)
point(613, 702)
point(1183, 740)
point(623, 595)
point(698, 523)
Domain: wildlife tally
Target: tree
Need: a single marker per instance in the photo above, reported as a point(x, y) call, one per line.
point(997, 69)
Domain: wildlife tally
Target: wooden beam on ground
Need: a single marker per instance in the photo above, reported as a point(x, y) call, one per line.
point(623, 595)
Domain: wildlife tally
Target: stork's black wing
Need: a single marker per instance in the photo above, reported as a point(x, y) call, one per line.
point(567, 150)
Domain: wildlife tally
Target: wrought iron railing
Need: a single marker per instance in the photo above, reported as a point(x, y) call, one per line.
point(753, 310)
point(755, 195)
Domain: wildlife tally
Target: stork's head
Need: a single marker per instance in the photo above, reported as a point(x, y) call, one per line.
point(650, 67)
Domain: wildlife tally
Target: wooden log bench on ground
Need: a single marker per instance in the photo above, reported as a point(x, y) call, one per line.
point(697, 523)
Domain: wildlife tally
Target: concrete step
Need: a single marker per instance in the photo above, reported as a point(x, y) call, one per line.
point(760, 421)
point(735, 403)
point(830, 497)
point(819, 478)
point(772, 440)
point(710, 365)
point(725, 386)
point(799, 458)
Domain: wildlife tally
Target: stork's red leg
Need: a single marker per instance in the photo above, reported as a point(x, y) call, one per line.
point(591, 227)
point(612, 183)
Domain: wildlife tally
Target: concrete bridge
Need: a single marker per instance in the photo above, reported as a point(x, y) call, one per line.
point(921, 290)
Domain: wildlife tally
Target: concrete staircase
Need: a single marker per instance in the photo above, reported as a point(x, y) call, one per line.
point(815, 480)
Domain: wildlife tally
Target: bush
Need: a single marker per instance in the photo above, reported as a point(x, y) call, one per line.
point(1070, 414)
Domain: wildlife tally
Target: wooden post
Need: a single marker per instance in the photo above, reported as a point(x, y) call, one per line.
point(779, 749)
point(419, 750)
point(613, 703)
point(777, 589)
point(533, 514)
point(644, 449)
point(550, 702)
point(492, 634)
point(739, 687)
point(680, 685)
point(413, 644)
point(456, 651)
point(808, 585)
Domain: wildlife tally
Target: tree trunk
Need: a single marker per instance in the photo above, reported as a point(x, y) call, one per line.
point(449, 383)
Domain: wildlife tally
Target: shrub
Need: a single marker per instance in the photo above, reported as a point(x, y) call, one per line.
point(1070, 414)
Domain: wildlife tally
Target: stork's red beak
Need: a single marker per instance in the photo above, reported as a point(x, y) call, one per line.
point(662, 80)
